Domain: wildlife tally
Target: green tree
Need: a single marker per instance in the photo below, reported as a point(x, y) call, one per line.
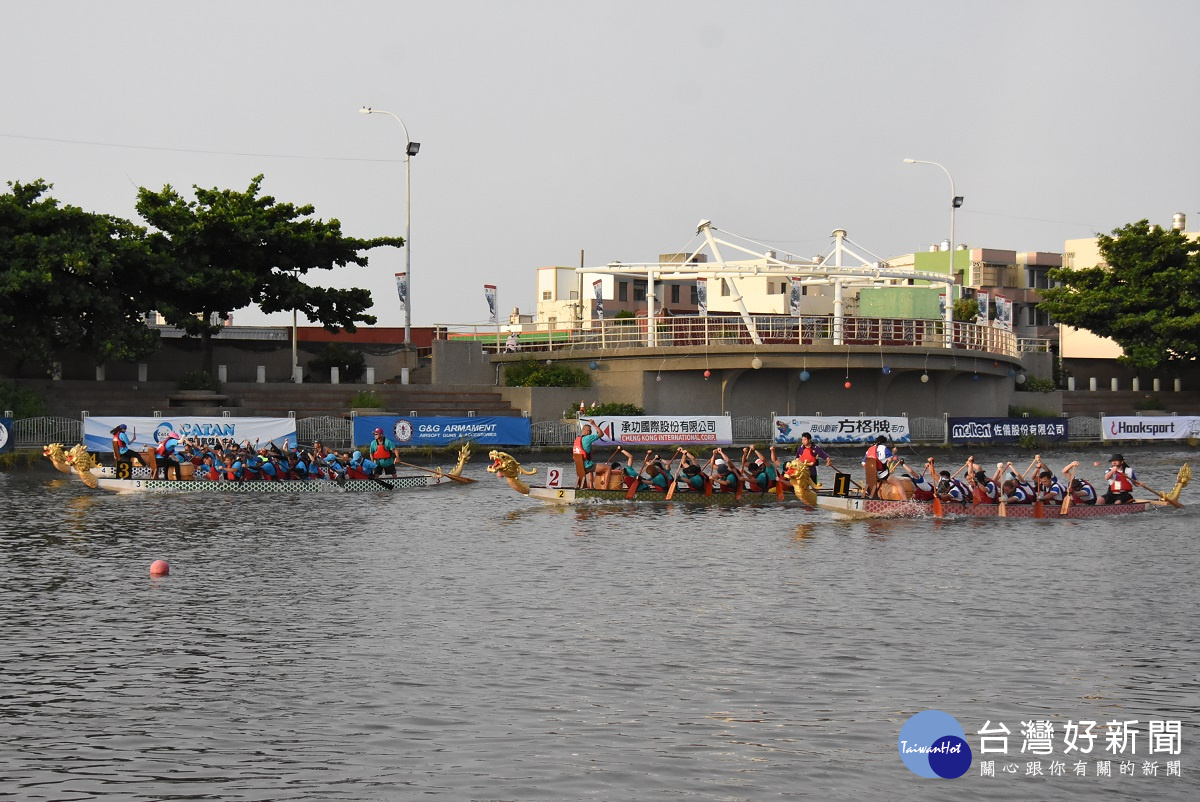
point(69, 280)
point(1147, 298)
point(227, 250)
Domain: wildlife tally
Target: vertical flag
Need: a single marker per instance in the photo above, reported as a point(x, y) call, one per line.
point(702, 296)
point(598, 290)
point(797, 292)
point(402, 292)
point(489, 292)
point(982, 318)
point(1003, 313)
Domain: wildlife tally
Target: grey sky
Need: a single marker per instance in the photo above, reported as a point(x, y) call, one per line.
point(551, 127)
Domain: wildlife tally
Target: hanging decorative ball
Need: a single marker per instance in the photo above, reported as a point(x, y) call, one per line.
point(756, 363)
point(1020, 378)
point(975, 377)
point(924, 378)
point(805, 375)
point(593, 364)
point(658, 378)
point(847, 385)
point(1011, 373)
point(995, 364)
point(707, 373)
point(886, 370)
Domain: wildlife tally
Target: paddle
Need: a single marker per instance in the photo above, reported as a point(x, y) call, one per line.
point(1068, 472)
point(671, 490)
point(631, 491)
point(1162, 496)
point(462, 480)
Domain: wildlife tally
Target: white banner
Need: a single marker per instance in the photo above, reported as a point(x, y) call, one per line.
point(652, 429)
point(489, 292)
point(981, 319)
point(797, 292)
point(702, 296)
point(598, 290)
point(1003, 313)
point(1158, 427)
point(841, 430)
point(148, 432)
point(402, 292)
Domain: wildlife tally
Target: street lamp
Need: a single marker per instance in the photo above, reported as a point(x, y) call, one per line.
point(955, 202)
point(410, 149)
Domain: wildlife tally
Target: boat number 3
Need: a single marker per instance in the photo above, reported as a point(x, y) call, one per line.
point(124, 470)
point(553, 477)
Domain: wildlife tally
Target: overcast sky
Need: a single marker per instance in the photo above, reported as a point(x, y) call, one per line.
point(547, 128)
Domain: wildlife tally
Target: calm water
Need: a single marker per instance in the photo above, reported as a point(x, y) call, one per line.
point(467, 643)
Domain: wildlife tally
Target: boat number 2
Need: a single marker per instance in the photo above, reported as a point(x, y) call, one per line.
point(553, 477)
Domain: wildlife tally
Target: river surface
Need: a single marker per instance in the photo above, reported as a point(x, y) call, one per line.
point(467, 643)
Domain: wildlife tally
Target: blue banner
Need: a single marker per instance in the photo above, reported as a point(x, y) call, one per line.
point(1006, 430)
point(6, 435)
point(497, 431)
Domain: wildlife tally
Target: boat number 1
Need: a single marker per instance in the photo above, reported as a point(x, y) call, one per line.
point(553, 477)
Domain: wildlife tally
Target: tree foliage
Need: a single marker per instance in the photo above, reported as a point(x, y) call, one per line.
point(227, 250)
point(350, 362)
point(1147, 298)
point(532, 373)
point(70, 279)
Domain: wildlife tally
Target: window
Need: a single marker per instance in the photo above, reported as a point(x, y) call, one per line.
point(724, 287)
point(546, 295)
point(639, 291)
point(674, 293)
point(695, 296)
point(622, 290)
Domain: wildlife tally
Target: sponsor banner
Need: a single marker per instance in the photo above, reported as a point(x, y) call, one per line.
point(981, 319)
point(1159, 427)
point(702, 296)
point(598, 292)
point(489, 292)
point(640, 430)
point(1003, 313)
point(6, 435)
point(1006, 430)
point(498, 431)
point(794, 296)
point(841, 430)
point(402, 291)
point(148, 432)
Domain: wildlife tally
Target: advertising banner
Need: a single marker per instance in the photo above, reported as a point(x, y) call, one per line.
point(702, 296)
point(496, 431)
point(148, 432)
point(1158, 427)
point(6, 435)
point(489, 293)
point(641, 430)
point(598, 293)
point(841, 430)
point(1006, 430)
point(402, 291)
point(1003, 313)
point(794, 297)
point(981, 319)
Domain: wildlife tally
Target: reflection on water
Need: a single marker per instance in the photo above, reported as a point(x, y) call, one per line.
point(474, 644)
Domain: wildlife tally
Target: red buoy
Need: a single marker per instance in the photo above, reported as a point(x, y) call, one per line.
point(159, 568)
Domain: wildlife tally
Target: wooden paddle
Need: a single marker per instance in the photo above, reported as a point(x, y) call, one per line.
point(1162, 496)
point(1068, 472)
point(671, 490)
point(631, 491)
point(462, 480)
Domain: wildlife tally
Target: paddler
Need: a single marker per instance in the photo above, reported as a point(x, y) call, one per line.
point(383, 452)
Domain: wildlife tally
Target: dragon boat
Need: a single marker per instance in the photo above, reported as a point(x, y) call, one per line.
point(79, 461)
point(801, 491)
point(506, 467)
point(852, 505)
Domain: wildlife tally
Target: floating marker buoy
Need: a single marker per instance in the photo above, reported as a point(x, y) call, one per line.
point(159, 568)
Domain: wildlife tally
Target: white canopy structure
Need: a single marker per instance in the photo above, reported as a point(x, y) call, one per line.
point(842, 267)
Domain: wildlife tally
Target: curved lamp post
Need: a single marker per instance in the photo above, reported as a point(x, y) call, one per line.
point(410, 149)
point(955, 202)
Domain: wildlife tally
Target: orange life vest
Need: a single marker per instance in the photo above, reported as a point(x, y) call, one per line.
point(1120, 483)
point(381, 451)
